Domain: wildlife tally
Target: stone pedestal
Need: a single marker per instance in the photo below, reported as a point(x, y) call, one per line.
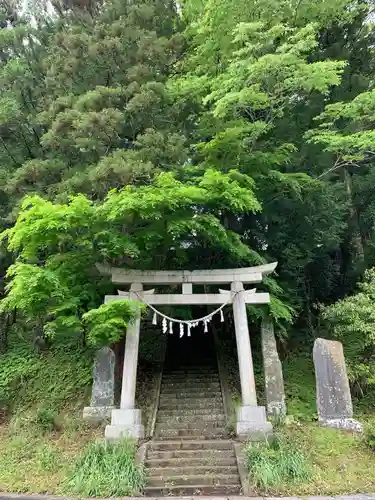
point(97, 413)
point(346, 424)
point(125, 423)
point(252, 423)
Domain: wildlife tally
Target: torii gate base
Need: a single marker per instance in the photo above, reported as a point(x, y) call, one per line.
point(252, 423)
point(251, 418)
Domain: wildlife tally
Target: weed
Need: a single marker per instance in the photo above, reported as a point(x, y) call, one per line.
point(46, 420)
point(370, 436)
point(107, 469)
point(230, 429)
point(279, 420)
point(275, 463)
point(48, 459)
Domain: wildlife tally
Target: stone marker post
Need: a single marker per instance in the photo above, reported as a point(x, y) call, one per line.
point(273, 373)
point(102, 396)
point(333, 398)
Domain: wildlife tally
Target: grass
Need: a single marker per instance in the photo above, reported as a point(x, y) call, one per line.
point(107, 469)
point(276, 462)
point(38, 461)
point(45, 446)
point(312, 460)
point(338, 462)
point(70, 461)
point(341, 462)
point(299, 380)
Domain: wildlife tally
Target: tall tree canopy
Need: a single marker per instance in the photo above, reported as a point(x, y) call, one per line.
point(211, 133)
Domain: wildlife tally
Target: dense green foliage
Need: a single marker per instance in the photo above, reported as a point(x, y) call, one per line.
point(212, 134)
point(61, 373)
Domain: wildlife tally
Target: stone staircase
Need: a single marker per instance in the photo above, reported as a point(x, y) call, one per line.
point(191, 453)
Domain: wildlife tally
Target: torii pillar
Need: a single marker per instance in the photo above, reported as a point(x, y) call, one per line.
point(251, 419)
point(127, 421)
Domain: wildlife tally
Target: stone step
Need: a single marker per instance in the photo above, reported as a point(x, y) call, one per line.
point(191, 375)
point(181, 417)
point(182, 385)
point(192, 394)
point(199, 434)
point(185, 456)
point(192, 445)
point(198, 470)
point(214, 407)
point(198, 372)
point(203, 480)
point(189, 383)
point(194, 490)
point(184, 463)
point(173, 387)
point(192, 369)
point(191, 403)
point(198, 378)
point(195, 412)
point(201, 426)
point(193, 436)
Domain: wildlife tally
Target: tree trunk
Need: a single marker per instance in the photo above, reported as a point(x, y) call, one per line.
point(357, 245)
point(4, 326)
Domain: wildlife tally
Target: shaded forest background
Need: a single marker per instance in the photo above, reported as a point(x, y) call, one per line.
point(208, 134)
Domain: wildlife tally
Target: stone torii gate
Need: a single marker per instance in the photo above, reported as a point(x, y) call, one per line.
point(251, 418)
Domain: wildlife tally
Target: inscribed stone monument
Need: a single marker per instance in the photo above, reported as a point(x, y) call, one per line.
point(102, 396)
point(273, 373)
point(333, 398)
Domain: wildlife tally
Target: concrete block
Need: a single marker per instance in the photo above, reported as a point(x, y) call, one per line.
point(96, 414)
point(126, 417)
point(251, 414)
point(125, 423)
point(252, 423)
point(116, 432)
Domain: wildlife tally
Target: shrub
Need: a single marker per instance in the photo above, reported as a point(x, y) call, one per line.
point(107, 469)
point(352, 322)
point(275, 463)
point(108, 323)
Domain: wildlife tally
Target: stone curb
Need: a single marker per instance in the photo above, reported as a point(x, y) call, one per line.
point(15, 496)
